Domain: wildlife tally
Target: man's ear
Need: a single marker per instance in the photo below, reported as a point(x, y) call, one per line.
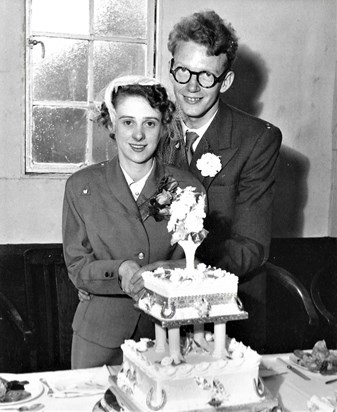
point(227, 81)
point(170, 74)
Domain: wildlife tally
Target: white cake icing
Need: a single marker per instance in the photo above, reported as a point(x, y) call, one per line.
point(181, 295)
point(154, 382)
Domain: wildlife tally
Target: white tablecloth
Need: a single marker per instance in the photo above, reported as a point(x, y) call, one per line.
point(292, 391)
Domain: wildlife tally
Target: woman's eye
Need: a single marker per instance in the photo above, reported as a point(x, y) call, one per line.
point(150, 123)
point(127, 122)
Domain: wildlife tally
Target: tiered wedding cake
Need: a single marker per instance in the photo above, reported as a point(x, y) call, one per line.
point(197, 371)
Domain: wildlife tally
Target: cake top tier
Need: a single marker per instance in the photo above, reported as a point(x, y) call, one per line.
point(204, 279)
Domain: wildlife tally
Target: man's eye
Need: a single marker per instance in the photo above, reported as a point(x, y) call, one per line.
point(208, 75)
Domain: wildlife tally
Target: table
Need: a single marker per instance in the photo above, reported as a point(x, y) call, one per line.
point(292, 391)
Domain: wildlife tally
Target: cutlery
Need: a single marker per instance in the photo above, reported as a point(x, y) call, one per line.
point(291, 368)
point(50, 390)
point(331, 380)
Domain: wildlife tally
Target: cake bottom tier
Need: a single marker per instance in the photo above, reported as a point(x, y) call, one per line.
point(129, 404)
point(199, 382)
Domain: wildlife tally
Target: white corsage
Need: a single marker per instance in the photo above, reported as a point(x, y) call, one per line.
point(209, 164)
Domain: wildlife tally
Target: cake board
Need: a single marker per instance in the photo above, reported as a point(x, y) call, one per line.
point(114, 393)
point(169, 323)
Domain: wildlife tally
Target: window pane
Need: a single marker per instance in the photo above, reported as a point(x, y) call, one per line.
point(115, 59)
point(59, 135)
point(62, 74)
point(104, 148)
point(61, 16)
point(120, 17)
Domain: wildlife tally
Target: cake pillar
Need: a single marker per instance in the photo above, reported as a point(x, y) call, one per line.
point(160, 333)
point(189, 249)
point(219, 340)
point(174, 343)
point(199, 333)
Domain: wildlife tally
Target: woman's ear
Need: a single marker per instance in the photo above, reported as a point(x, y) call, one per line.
point(227, 81)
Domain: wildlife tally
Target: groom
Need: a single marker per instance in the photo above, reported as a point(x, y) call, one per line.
point(242, 151)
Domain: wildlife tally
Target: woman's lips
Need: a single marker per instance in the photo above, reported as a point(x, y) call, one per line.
point(137, 147)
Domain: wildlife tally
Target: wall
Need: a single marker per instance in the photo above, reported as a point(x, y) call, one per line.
point(285, 74)
point(30, 206)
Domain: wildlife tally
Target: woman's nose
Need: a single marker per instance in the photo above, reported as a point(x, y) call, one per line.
point(138, 133)
point(193, 84)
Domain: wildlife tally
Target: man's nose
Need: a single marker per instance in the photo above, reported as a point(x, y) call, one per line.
point(193, 85)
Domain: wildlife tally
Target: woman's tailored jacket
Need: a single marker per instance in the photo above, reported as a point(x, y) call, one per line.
point(102, 227)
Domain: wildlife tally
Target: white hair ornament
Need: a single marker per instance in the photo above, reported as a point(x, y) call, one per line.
point(124, 81)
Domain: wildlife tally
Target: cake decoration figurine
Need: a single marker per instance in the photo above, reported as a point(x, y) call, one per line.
point(187, 214)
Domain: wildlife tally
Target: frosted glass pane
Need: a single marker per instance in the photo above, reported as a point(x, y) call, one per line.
point(61, 16)
point(121, 17)
point(59, 135)
point(115, 59)
point(104, 148)
point(62, 74)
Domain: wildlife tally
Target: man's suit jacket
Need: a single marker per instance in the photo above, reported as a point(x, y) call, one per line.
point(240, 200)
point(102, 227)
point(240, 196)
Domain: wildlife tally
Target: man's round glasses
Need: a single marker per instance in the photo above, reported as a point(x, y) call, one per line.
point(205, 79)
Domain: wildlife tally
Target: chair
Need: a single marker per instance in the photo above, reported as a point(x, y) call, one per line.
point(51, 304)
point(15, 338)
point(292, 320)
point(324, 295)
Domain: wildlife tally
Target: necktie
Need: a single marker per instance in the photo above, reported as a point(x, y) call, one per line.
point(190, 139)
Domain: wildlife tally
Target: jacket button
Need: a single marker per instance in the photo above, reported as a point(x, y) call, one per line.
point(141, 255)
point(106, 274)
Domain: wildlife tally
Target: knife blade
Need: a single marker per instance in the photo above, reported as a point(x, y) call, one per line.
point(331, 381)
point(293, 369)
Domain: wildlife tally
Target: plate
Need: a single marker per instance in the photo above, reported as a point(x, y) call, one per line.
point(297, 361)
point(34, 387)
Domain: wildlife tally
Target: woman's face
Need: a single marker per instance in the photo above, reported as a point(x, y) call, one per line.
point(137, 132)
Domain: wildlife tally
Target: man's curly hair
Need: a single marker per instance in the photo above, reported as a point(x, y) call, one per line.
point(208, 29)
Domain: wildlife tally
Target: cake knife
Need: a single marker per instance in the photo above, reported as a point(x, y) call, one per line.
point(290, 367)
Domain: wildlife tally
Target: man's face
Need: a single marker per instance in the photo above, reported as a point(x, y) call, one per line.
point(198, 103)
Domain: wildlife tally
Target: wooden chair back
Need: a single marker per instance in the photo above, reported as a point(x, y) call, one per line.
point(51, 304)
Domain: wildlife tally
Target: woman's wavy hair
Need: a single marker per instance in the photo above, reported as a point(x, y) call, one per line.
point(158, 99)
point(208, 29)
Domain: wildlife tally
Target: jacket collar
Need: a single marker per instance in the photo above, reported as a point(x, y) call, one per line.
point(218, 140)
point(120, 189)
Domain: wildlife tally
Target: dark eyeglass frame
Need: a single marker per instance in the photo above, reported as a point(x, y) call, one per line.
point(216, 79)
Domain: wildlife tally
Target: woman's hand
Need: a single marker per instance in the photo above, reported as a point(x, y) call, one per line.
point(131, 280)
point(83, 295)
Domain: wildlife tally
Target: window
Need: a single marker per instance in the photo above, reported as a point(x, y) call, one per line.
point(74, 48)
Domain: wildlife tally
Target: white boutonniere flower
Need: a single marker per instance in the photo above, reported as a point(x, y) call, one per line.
point(209, 164)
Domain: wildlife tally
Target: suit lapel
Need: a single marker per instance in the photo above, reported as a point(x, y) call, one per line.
point(119, 187)
point(150, 189)
point(217, 140)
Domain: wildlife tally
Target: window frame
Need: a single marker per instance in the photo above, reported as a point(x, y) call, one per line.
point(149, 41)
